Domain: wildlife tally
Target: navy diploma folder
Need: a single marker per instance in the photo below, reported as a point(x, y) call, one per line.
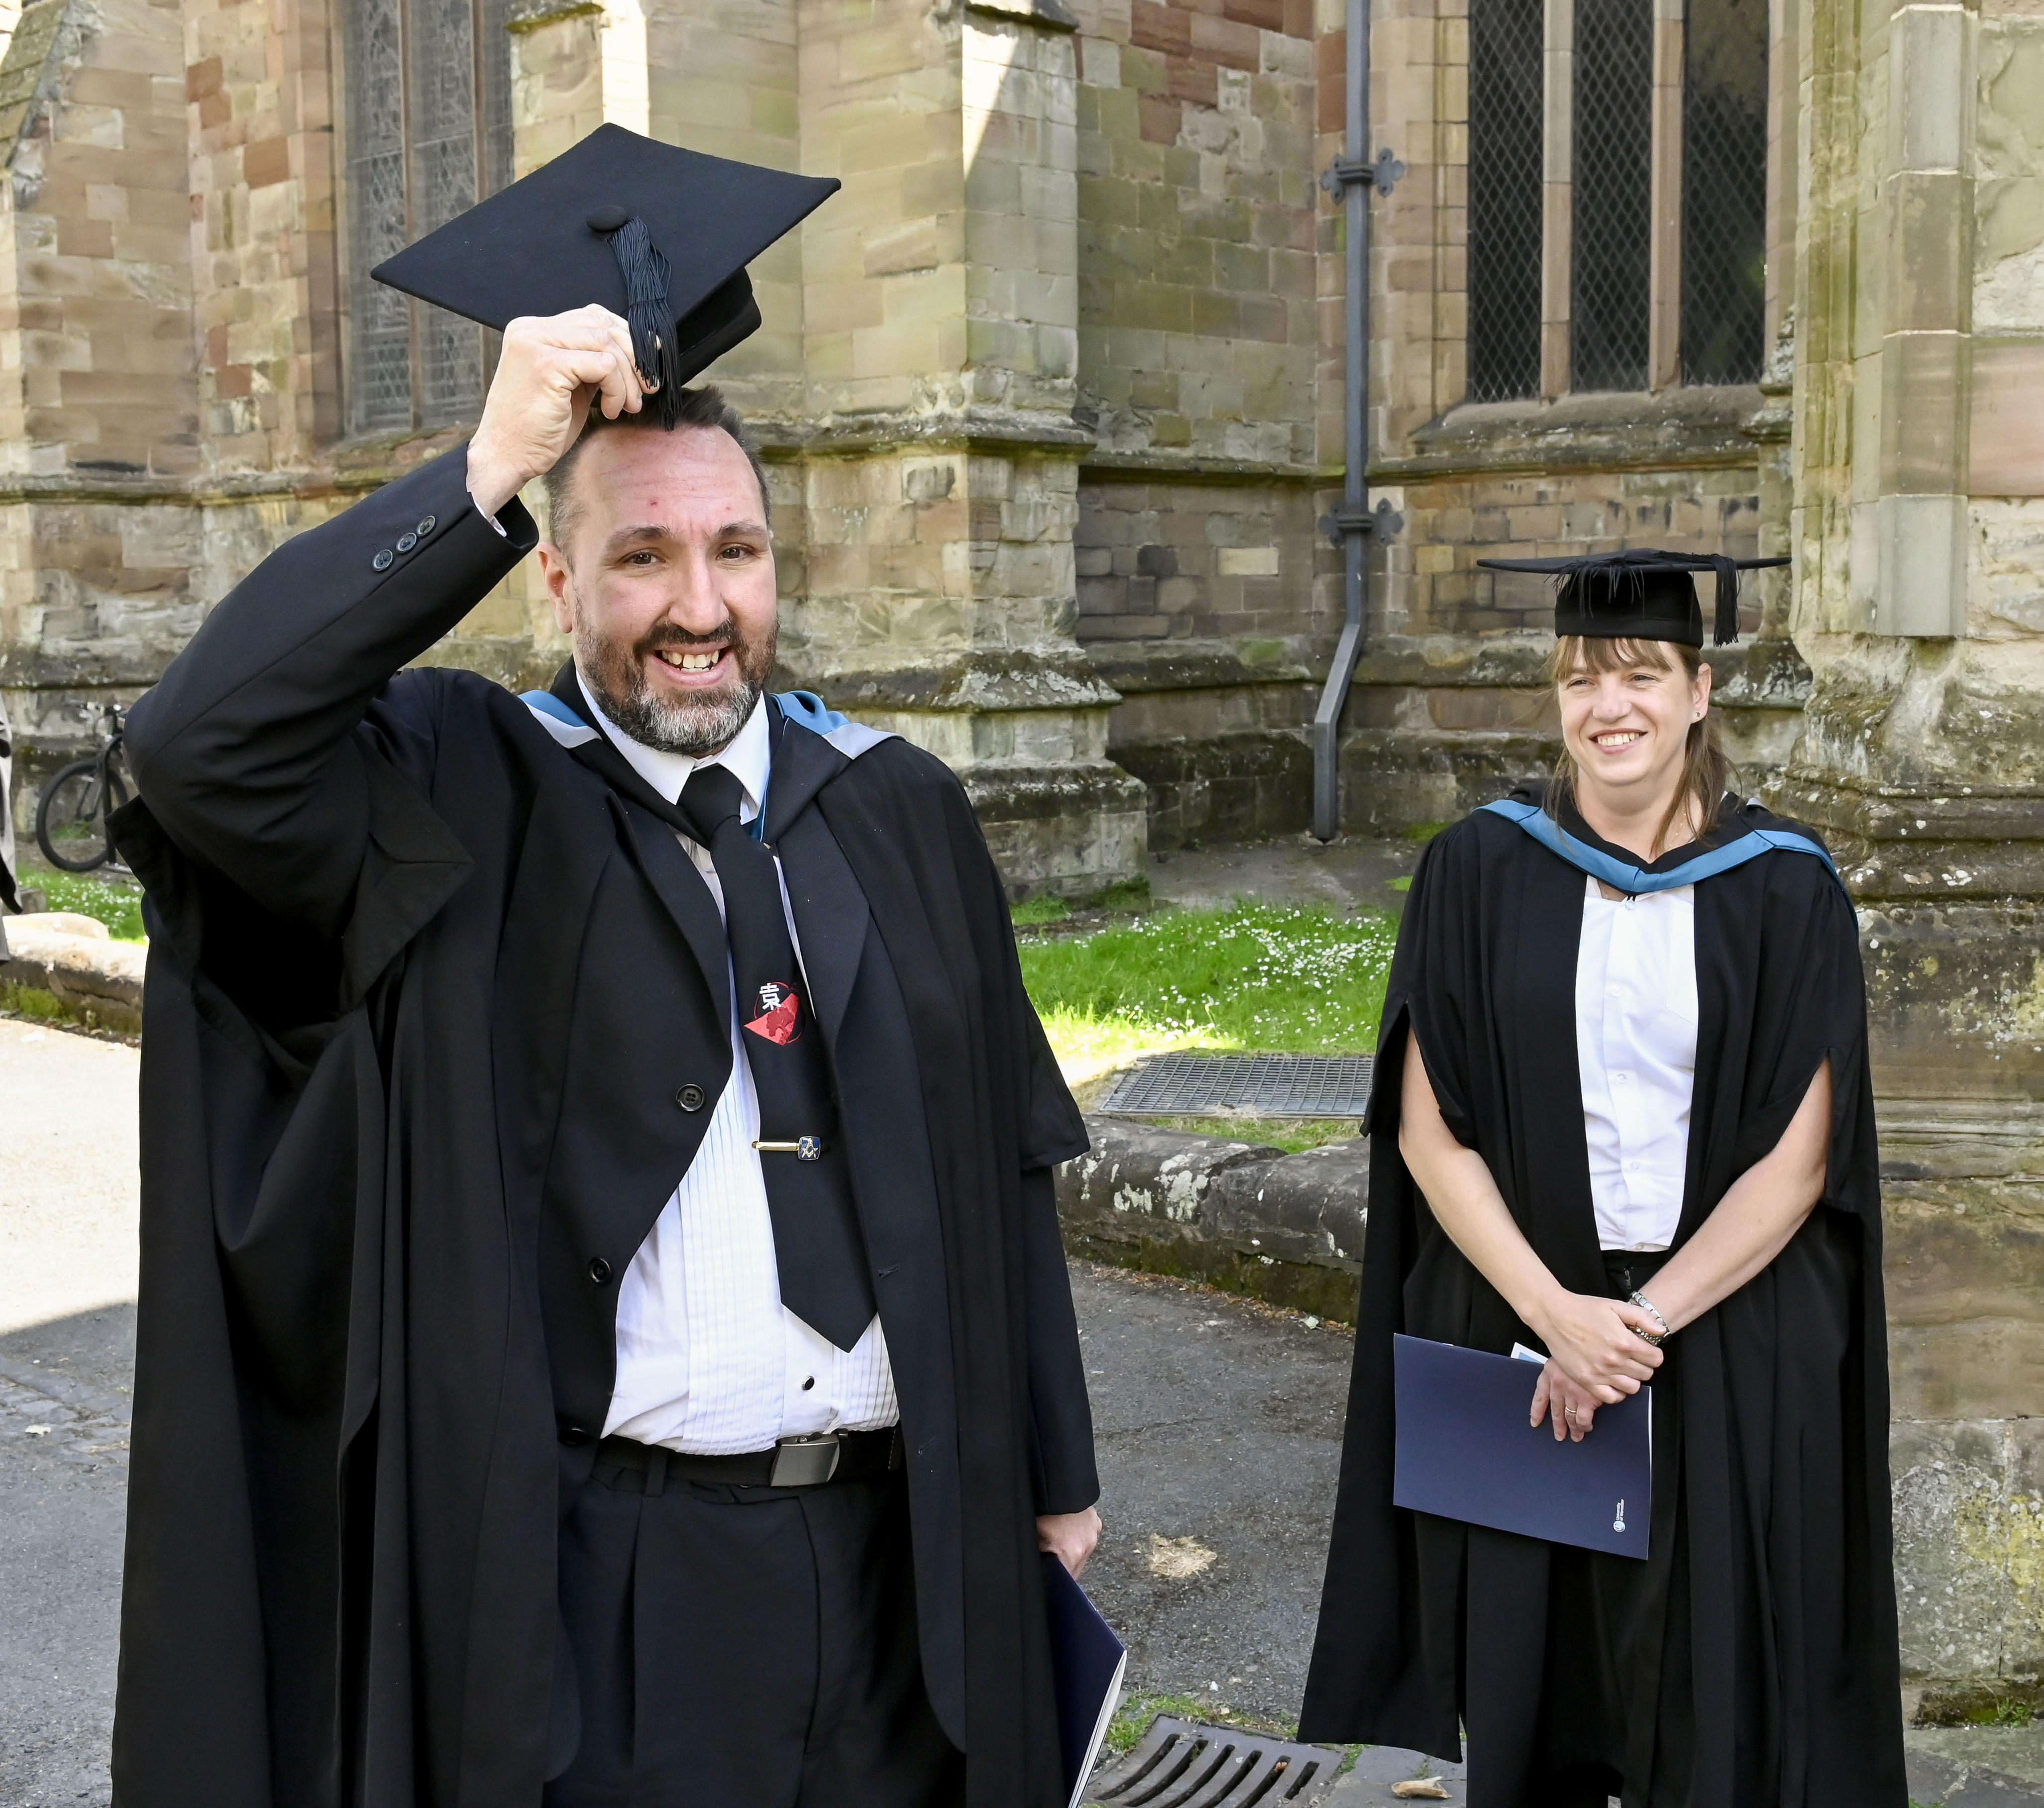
point(1465, 1451)
point(1086, 1664)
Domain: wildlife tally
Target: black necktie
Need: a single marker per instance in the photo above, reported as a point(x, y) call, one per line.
point(816, 1242)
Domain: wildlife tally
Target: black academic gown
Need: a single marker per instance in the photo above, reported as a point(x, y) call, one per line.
point(1752, 1659)
point(435, 1016)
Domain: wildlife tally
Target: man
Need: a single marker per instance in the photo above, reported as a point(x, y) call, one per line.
point(604, 1338)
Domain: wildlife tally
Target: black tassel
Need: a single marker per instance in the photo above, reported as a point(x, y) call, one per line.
point(651, 318)
point(1726, 630)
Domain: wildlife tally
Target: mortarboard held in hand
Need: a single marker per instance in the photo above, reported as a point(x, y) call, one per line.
point(1641, 594)
point(658, 234)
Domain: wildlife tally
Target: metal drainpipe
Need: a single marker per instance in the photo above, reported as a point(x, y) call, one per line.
point(1353, 526)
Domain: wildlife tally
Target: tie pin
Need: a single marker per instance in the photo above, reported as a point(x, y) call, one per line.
point(804, 1148)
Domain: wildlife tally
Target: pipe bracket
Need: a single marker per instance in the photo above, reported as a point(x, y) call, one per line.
point(1383, 175)
point(1379, 524)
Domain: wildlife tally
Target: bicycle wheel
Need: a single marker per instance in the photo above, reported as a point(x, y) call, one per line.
point(70, 818)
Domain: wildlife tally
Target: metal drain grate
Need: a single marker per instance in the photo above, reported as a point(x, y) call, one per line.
point(1263, 1085)
point(1181, 1764)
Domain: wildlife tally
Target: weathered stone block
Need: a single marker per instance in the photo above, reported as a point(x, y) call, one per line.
point(1969, 1547)
point(1239, 1213)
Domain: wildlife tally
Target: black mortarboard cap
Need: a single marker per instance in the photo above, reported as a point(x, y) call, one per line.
point(1640, 594)
point(658, 234)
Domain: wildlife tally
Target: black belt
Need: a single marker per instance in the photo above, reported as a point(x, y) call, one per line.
point(794, 1462)
point(1628, 1271)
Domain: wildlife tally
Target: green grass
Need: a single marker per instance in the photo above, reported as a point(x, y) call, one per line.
point(112, 902)
point(1423, 831)
point(1123, 894)
point(1301, 978)
point(1045, 909)
point(1132, 1719)
point(1293, 1135)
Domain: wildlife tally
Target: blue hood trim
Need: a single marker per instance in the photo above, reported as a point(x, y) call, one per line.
point(567, 728)
point(545, 703)
point(806, 710)
point(1636, 879)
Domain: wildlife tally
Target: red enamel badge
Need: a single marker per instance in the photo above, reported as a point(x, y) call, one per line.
point(779, 1019)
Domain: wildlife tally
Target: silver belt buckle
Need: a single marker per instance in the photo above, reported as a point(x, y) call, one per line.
point(805, 1462)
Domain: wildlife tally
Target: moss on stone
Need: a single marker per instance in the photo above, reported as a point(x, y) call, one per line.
point(2001, 1702)
point(1327, 1293)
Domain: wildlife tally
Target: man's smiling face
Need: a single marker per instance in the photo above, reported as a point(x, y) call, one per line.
point(666, 584)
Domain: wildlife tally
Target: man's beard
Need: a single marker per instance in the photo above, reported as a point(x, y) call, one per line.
point(615, 672)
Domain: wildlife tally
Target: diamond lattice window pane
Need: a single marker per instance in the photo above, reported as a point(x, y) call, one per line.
point(379, 373)
point(1724, 192)
point(440, 56)
point(1613, 193)
point(1504, 183)
point(492, 107)
point(429, 87)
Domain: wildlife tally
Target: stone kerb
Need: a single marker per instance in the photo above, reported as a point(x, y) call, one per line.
point(1245, 1216)
point(58, 965)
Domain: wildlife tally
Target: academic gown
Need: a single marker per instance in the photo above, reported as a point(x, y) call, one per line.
point(436, 1008)
point(1752, 1657)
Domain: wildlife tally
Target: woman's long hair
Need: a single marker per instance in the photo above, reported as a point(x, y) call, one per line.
point(1707, 771)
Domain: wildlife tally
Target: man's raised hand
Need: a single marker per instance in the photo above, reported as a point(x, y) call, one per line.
point(548, 373)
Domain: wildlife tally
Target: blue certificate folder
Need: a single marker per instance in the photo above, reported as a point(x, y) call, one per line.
point(1465, 1451)
point(1086, 1664)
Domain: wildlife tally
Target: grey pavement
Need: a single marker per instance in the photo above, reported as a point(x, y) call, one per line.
point(1353, 872)
point(1219, 1427)
point(68, 1214)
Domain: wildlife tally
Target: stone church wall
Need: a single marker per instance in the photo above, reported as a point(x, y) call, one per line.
point(1205, 591)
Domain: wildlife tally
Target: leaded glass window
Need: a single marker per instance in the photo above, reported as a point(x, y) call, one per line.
point(429, 133)
point(1504, 105)
point(1617, 230)
point(1724, 191)
point(1613, 189)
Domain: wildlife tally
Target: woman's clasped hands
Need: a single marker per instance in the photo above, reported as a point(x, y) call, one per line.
point(1596, 1359)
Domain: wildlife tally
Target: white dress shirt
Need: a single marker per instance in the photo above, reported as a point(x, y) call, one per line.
point(1636, 1046)
point(709, 1360)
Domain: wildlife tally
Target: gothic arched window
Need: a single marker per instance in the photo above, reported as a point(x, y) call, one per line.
point(427, 134)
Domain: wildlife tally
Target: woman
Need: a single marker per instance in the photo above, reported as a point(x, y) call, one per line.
point(1622, 1116)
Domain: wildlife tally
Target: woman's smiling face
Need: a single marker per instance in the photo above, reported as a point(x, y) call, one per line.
point(1627, 728)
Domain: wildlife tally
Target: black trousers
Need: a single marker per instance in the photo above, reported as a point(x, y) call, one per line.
point(743, 1648)
point(1598, 1610)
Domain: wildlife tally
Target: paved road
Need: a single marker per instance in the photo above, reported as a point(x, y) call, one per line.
point(1219, 1423)
point(1218, 1428)
point(67, 1338)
